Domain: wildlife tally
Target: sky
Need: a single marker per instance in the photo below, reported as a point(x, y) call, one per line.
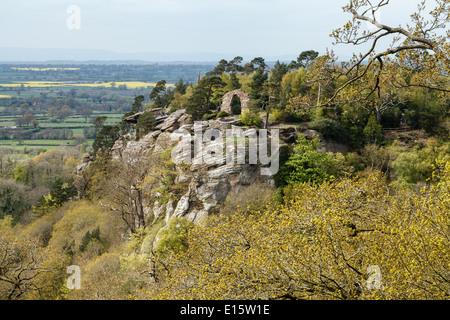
point(249, 28)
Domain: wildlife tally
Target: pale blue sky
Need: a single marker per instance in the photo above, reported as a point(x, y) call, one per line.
point(235, 27)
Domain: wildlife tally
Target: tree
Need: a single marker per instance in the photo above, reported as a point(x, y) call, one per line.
point(105, 138)
point(416, 57)
point(200, 101)
point(304, 59)
point(132, 186)
point(159, 89)
point(61, 192)
point(259, 63)
point(321, 242)
point(137, 104)
point(307, 164)
point(234, 65)
point(64, 112)
point(28, 117)
point(34, 123)
point(373, 131)
point(99, 122)
point(234, 81)
point(20, 266)
point(257, 93)
point(159, 95)
point(420, 43)
point(180, 87)
point(14, 199)
point(86, 113)
point(52, 111)
point(221, 67)
point(145, 123)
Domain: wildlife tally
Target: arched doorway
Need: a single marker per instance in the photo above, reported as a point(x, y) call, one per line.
point(237, 99)
point(236, 105)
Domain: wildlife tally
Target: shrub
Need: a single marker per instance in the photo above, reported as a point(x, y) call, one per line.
point(373, 131)
point(209, 116)
point(173, 237)
point(330, 129)
point(249, 118)
point(249, 199)
point(222, 114)
point(307, 164)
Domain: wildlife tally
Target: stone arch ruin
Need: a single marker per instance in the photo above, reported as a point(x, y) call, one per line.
point(228, 98)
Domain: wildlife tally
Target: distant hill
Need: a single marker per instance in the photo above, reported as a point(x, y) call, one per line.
point(8, 54)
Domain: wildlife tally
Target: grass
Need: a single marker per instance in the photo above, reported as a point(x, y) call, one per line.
point(7, 123)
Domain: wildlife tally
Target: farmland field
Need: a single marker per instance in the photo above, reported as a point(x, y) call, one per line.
point(46, 106)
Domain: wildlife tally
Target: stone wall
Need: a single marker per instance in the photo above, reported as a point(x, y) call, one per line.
point(228, 98)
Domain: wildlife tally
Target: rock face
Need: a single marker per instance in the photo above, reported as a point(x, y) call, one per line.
point(207, 173)
point(209, 182)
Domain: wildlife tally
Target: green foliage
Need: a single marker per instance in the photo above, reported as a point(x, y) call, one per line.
point(6, 223)
point(234, 82)
point(99, 123)
point(88, 237)
point(200, 101)
point(249, 118)
point(423, 113)
point(236, 107)
point(222, 114)
point(391, 118)
point(209, 116)
point(172, 238)
point(257, 93)
point(14, 200)
point(159, 94)
point(373, 131)
point(253, 198)
point(354, 120)
point(330, 129)
point(105, 138)
point(61, 192)
point(137, 104)
point(145, 123)
point(418, 164)
point(307, 164)
point(304, 59)
point(319, 243)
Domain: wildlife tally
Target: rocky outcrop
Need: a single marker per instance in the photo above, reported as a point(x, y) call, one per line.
point(208, 182)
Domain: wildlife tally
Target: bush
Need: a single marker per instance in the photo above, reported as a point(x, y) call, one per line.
point(14, 199)
point(173, 237)
point(222, 114)
point(425, 116)
point(249, 199)
point(418, 164)
point(209, 116)
point(330, 129)
point(249, 118)
point(307, 164)
point(373, 131)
